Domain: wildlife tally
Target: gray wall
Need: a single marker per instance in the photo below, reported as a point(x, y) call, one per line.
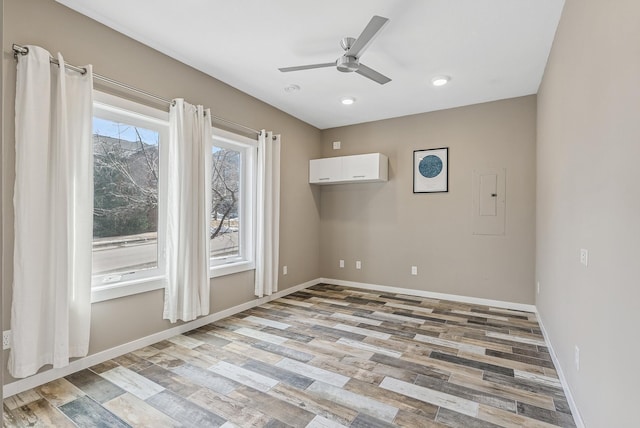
point(390, 229)
point(588, 197)
point(82, 40)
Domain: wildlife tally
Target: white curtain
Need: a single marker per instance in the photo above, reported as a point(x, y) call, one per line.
point(53, 207)
point(268, 214)
point(188, 217)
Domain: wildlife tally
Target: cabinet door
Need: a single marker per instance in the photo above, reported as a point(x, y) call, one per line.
point(361, 167)
point(325, 170)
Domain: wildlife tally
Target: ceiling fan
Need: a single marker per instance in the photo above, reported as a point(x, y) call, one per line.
point(350, 60)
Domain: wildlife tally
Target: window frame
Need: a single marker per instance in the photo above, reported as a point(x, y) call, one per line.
point(248, 149)
point(115, 108)
point(111, 286)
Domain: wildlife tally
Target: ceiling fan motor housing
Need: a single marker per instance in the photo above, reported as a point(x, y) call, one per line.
point(347, 64)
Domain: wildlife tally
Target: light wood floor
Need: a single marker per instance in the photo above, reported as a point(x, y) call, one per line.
point(324, 357)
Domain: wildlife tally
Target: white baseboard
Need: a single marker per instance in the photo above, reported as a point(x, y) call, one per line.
point(433, 295)
point(38, 379)
point(577, 418)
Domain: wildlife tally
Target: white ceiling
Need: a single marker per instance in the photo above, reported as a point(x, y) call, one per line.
point(492, 49)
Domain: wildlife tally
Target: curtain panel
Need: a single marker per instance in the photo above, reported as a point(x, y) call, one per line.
point(53, 208)
point(268, 214)
point(188, 216)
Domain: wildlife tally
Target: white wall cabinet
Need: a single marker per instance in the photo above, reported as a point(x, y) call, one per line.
point(365, 168)
point(322, 171)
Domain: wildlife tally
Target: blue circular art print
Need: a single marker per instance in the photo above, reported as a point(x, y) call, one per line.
point(430, 166)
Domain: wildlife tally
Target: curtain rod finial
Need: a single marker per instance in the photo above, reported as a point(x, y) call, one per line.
point(17, 49)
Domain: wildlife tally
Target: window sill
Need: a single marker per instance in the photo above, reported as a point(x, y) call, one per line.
point(126, 288)
point(230, 268)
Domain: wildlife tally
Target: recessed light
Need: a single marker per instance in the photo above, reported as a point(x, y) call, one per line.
point(347, 100)
point(440, 80)
point(292, 88)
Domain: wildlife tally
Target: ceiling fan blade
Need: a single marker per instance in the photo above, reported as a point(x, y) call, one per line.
point(367, 36)
point(307, 67)
point(370, 73)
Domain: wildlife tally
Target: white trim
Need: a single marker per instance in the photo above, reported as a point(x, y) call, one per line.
point(38, 379)
point(248, 150)
point(432, 295)
point(106, 286)
point(233, 138)
point(127, 288)
point(112, 103)
point(231, 268)
point(577, 418)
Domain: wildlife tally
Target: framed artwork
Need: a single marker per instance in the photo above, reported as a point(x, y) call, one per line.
point(431, 170)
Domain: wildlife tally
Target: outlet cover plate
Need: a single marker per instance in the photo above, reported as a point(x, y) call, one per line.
point(584, 257)
point(6, 339)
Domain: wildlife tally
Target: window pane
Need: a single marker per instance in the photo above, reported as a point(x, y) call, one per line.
point(125, 214)
point(225, 202)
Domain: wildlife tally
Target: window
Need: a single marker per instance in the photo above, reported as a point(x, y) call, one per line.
point(233, 185)
point(129, 195)
point(129, 146)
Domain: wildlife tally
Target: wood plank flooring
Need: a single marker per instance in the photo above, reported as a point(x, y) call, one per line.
point(324, 357)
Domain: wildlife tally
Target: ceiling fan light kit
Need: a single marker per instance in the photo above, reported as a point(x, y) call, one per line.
point(354, 48)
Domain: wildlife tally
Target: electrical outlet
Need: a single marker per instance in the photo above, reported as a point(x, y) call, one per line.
point(358, 264)
point(6, 339)
point(576, 356)
point(285, 270)
point(336, 145)
point(584, 257)
point(538, 287)
point(414, 270)
point(341, 263)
